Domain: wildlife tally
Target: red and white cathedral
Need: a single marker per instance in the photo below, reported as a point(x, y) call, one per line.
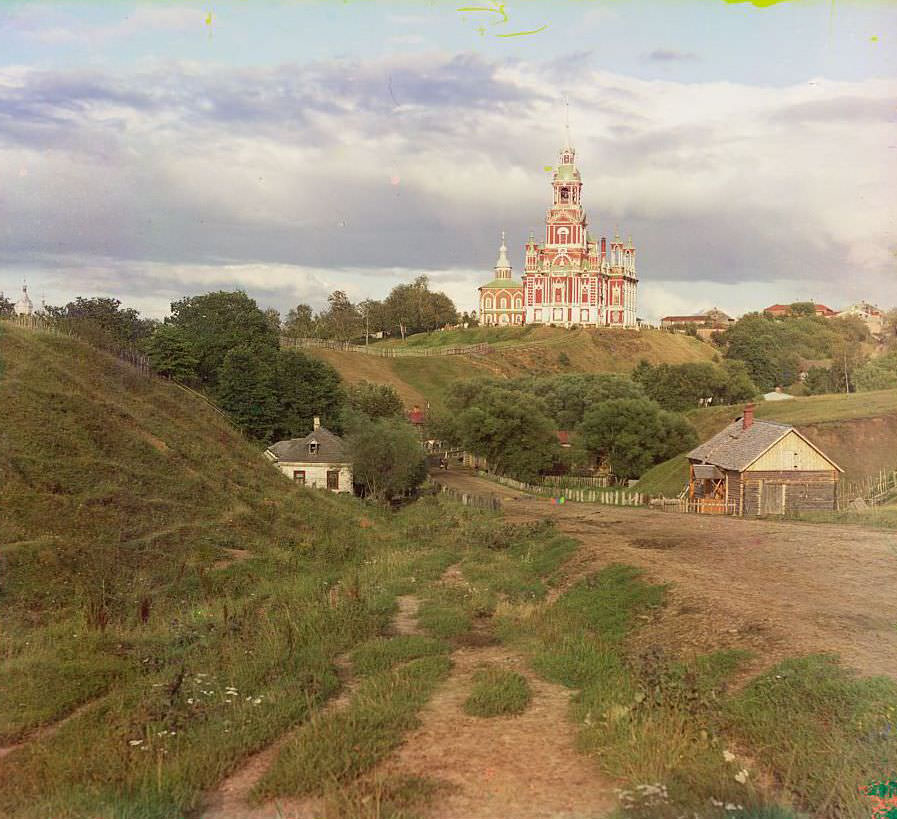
point(570, 278)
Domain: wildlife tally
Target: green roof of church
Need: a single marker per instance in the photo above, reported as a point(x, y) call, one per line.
point(567, 172)
point(497, 284)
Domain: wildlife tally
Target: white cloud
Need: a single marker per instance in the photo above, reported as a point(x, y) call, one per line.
point(182, 177)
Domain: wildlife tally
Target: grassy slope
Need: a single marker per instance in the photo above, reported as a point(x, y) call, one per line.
point(858, 431)
point(517, 352)
point(120, 494)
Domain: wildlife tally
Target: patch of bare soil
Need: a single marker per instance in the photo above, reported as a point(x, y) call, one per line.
point(405, 620)
point(525, 766)
point(774, 588)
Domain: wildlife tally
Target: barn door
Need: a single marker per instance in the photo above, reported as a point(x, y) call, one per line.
point(772, 499)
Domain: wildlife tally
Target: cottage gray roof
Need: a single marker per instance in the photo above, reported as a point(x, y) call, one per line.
point(330, 449)
point(737, 448)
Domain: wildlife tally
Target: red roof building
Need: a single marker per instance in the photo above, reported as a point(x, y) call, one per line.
point(783, 310)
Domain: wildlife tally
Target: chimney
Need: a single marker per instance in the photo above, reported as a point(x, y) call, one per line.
point(747, 420)
point(316, 424)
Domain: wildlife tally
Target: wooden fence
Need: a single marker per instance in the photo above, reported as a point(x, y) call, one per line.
point(129, 355)
point(609, 497)
point(383, 351)
point(468, 498)
point(872, 489)
point(577, 481)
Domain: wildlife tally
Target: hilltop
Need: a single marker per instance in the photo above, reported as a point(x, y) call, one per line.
point(859, 431)
point(514, 351)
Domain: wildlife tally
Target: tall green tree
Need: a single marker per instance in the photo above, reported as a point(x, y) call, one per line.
point(341, 320)
point(6, 307)
point(387, 459)
point(305, 387)
point(414, 308)
point(517, 437)
point(634, 434)
point(246, 389)
point(171, 354)
point(301, 322)
point(375, 400)
point(215, 323)
point(103, 320)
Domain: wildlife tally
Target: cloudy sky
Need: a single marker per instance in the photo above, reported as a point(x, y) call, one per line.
point(154, 150)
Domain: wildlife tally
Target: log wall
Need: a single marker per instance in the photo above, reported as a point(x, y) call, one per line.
point(803, 491)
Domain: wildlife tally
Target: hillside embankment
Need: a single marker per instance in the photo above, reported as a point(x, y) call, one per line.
point(542, 351)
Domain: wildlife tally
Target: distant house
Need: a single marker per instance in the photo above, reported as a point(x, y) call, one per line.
point(714, 319)
point(777, 395)
point(784, 310)
point(871, 316)
point(760, 468)
point(319, 460)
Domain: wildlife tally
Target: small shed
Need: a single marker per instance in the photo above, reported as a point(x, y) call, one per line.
point(760, 468)
point(318, 460)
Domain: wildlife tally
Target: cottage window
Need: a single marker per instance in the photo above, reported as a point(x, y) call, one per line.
point(313, 448)
point(299, 476)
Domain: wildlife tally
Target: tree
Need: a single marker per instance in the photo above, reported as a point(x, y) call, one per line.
point(341, 320)
point(634, 434)
point(414, 308)
point(680, 387)
point(246, 389)
point(273, 317)
point(215, 323)
point(517, 437)
point(802, 308)
point(170, 354)
point(387, 459)
point(890, 327)
point(375, 400)
point(300, 322)
point(375, 316)
point(877, 374)
point(6, 307)
point(103, 320)
point(819, 381)
point(470, 319)
point(305, 387)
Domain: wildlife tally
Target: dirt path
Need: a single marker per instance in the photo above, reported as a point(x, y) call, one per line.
point(231, 799)
point(774, 588)
point(525, 766)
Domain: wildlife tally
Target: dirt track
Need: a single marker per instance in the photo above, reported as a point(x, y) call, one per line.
point(777, 589)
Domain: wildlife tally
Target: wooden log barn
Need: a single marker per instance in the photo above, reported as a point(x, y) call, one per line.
point(760, 468)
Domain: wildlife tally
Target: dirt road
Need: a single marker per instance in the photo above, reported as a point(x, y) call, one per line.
point(777, 589)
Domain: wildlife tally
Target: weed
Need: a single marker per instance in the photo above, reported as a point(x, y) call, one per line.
point(383, 653)
point(497, 692)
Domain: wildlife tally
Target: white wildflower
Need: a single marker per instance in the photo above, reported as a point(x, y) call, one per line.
point(134, 742)
point(728, 756)
point(257, 700)
point(189, 700)
point(715, 802)
point(742, 776)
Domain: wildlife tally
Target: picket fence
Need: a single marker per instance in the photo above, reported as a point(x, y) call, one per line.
point(610, 497)
point(382, 351)
point(468, 498)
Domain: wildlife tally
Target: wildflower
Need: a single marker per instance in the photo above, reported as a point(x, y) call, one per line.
point(742, 776)
point(189, 700)
point(135, 742)
point(715, 802)
point(728, 756)
point(257, 700)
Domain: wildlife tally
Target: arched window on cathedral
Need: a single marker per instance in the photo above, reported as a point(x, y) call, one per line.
point(518, 303)
point(502, 302)
point(563, 235)
point(487, 303)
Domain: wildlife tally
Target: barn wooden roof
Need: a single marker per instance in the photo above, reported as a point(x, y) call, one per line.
point(736, 448)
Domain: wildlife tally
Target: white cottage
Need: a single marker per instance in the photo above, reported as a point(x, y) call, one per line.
point(318, 460)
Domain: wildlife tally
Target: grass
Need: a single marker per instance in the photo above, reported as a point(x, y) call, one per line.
point(342, 745)
point(462, 337)
point(401, 797)
point(667, 478)
point(384, 653)
point(497, 692)
point(826, 731)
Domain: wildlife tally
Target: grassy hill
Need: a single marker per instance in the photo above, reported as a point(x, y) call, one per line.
point(516, 351)
point(150, 559)
point(859, 431)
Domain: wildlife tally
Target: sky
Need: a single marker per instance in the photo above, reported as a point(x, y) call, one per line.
point(151, 151)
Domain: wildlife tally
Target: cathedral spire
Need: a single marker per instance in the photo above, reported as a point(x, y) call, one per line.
point(568, 152)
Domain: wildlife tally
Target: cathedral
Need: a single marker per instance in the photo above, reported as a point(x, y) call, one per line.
point(569, 279)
